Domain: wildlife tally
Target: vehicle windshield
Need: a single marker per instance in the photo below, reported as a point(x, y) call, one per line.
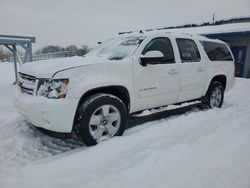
point(118, 48)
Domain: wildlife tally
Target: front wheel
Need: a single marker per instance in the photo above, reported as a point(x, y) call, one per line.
point(100, 117)
point(215, 95)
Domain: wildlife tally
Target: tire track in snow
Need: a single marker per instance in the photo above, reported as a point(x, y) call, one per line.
point(28, 144)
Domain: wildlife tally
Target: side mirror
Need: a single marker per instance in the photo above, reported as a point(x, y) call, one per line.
point(152, 57)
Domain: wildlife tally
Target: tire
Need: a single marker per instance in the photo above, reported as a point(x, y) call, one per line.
point(100, 117)
point(215, 95)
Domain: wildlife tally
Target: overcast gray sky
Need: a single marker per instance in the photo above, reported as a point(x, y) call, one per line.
point(65, 22)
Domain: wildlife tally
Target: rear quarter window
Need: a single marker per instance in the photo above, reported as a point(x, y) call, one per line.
point(188, 50)
point(217, 51)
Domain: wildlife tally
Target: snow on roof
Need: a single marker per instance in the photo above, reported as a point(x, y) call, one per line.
point(214, 29)
point(16, 39)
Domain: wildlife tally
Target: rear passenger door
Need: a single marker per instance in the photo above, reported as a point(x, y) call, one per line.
point(192, 70)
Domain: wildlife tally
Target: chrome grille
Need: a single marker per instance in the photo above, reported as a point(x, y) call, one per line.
point(27, 83)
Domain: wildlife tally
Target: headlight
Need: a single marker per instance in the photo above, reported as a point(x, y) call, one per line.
point(53, 88)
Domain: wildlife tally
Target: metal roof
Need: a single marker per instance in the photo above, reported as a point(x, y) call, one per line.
point(236, 30)
point(16, 40)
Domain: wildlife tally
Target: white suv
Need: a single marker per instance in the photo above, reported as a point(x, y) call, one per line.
point(92, 96)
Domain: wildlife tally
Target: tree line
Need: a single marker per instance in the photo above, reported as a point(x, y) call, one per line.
point(71, 50)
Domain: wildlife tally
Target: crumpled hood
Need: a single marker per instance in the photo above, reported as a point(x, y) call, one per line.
point(47, 68)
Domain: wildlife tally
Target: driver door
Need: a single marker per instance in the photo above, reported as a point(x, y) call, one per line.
point(157, 84)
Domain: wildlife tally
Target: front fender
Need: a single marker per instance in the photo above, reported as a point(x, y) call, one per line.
point(83, 79)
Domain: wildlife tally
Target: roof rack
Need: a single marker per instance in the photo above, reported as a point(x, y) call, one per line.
point(125, 32)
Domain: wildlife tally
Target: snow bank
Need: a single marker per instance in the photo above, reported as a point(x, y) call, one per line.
point(209, 148)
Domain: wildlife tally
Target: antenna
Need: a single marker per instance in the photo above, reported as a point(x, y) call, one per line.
point(214, 14)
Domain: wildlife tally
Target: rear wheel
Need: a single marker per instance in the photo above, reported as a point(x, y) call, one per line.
point(101, 117)
point(215, 95)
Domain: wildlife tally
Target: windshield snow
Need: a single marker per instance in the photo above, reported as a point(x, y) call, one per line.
point(117, 49)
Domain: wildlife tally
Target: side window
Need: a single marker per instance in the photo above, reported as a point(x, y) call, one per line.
point(188, 50)
point(163, 45)
point(217, 51)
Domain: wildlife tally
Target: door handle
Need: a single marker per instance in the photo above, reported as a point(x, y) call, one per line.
point(172, 71)
point(200, 69)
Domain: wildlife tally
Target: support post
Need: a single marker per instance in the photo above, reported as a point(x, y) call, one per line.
point(13, 50)
point(30, 52)
point(15, 63)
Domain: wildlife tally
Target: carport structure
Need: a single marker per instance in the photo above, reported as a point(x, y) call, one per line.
point(11, 42)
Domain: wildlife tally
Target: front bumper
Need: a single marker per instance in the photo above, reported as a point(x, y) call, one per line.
point(55, 115)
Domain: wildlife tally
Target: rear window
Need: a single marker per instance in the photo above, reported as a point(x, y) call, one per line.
point(217, 51)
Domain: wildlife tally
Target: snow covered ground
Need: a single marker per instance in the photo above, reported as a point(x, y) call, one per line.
point(208, 148)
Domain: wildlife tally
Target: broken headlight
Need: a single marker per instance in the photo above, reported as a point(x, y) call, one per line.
point(53, 88)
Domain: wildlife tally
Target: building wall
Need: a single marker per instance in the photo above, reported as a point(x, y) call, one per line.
point(243, 42)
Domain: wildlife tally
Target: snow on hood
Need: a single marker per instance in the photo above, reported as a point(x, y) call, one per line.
point(47, 68)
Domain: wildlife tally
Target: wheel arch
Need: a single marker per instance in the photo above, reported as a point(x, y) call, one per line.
point(119, 91)
point(220, 78)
